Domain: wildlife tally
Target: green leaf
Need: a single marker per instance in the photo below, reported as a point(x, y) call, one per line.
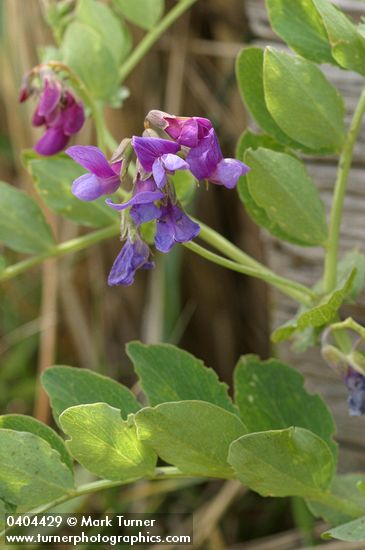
point(105, 444)
point(348, 46)
point(192, 435)
point(249, 74)
point(21, 423)
point(344, 488)
point(361, 28)
point(352, 260)
point(250, 140)
point(353, 531)
point(303, 102)
point(101, 19)
point(291, 462)
point(31, 472)
point(320, 315)
point(285, 331)
point(3, 511)
point(84, 51)
point(326, 310)
point(69, 386)
point(5, 508)
point(280, 185)
point(22, 224)
point(143, 13)
point(267, 406)
point(168, 373)
point(53, 179)
point(302, 28)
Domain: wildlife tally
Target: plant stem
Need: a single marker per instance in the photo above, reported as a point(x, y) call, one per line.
point(163, 472)
point(349, 323)
point(302, 294)
point(73, 245)
point(152, 36)
point(225, 246)
point(242, 264)
point(344, 167)
point(104, 138)
point(292, 289)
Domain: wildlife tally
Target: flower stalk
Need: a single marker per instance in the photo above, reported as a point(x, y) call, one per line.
point(242, 262)
point(295, 290)
point(152, 36)
point(68, 247)
point(161, 473)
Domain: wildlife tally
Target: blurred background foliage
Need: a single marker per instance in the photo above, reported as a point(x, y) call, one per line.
point(64, 313)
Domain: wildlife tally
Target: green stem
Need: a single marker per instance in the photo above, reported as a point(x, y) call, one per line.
point(242, 264)
point(166, 472)
point(73, 245)
point(344, 167)
point(225, 246)
point(292, 289)
point(152, 36)
point(301, 293)
point(104, 139)
point(350, 324)
point(163, 472)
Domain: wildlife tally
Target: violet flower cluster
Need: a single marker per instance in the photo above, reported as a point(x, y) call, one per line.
point(57, 110)
point(168, 144)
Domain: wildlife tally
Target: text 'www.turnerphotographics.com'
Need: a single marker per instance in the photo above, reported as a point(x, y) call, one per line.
point(112, 529)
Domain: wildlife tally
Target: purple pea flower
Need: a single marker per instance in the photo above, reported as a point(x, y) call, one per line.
point(174, 226)
point(349, 367)
point(206, 162)
point(58, 111)
point(142, 207)
point(133, 256)
point(158, 156)
point(187, 131)
point(101, 179)
point(355, 383)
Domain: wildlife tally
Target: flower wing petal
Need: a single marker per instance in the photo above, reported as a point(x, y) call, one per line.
point(87, 187)
point(228, 172)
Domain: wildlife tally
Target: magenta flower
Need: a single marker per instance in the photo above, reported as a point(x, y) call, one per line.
point(142, 207)
point(133, 256)
point(174, 226)
point(187, 131)
point(102, 178)
point(58, 111)
point(158, 157)
point(206, 162)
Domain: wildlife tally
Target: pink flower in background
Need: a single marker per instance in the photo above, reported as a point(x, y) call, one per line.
point(57, 110)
